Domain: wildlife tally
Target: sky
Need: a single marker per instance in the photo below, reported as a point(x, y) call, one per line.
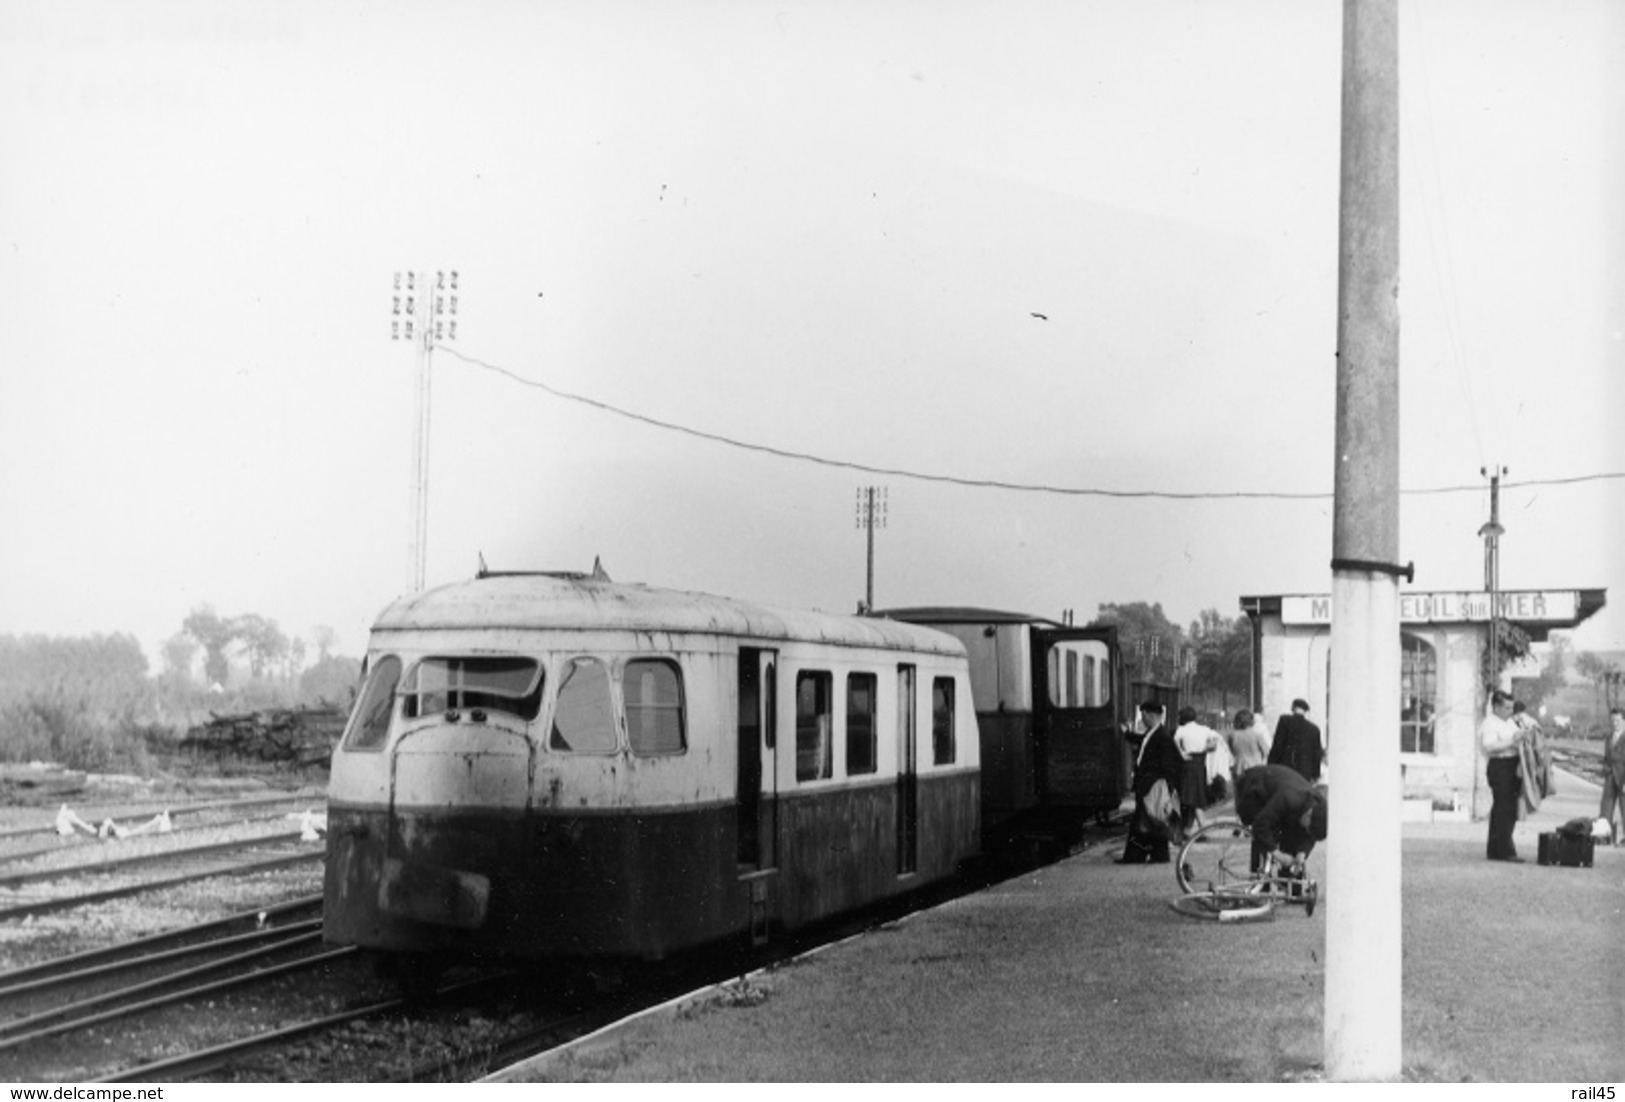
point(1062, 247)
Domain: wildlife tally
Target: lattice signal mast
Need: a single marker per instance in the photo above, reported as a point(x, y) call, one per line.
point(425, 313)
point(871, 515)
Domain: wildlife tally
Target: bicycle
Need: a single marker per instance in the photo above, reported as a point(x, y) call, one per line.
point(1215, 873)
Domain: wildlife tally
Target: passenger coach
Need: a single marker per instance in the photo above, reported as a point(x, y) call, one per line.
point(549, 766)
point(1050, 705)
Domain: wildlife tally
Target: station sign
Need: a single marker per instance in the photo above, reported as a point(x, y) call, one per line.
point(1532, 606)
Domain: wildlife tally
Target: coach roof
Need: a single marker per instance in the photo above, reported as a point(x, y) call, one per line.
point(575, 602)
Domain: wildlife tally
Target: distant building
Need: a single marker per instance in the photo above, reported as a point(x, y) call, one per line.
point(1443, 639)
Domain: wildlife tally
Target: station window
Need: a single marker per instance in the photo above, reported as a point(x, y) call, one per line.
point(500, 684)
point(860, 723)
point(942, 721)
point(653, 688)
point(584, 717)
point(369, 722)
point(1418, 687)
point(814, 750)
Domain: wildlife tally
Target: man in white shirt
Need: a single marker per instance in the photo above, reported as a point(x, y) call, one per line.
point(1498, 738)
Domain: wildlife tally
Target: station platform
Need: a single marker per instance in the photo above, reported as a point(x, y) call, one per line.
point(1081, 971)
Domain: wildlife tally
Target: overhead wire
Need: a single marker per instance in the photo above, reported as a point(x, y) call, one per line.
point(974, 483)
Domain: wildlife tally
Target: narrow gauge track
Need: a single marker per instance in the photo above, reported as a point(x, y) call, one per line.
point(131, 861)
point(229, 1055)
point(67, 970)
point(57, 1010)
point(78, 842)
point(1586, 763)
point(244, 958)
point(43, 1035)
point(149, 808)
point(196, 863)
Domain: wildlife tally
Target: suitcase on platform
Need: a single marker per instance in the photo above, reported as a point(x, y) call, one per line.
point(1566, 850)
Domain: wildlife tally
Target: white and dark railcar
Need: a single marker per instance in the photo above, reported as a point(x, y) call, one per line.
point(554, 766)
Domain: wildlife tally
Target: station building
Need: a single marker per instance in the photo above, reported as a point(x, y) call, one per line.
point(1444, 637)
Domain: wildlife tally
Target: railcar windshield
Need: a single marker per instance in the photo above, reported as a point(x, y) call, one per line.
point(498, 684)
point(369, 722)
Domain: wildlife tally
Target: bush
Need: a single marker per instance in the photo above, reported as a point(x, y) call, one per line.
point(39, 728)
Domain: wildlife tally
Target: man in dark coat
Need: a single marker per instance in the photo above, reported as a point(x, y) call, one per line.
point(1297, 743)
point(1158, 758)
point(1285, 812)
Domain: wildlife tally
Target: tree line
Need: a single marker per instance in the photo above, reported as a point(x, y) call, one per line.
point(92, 702)
point(1210, 662)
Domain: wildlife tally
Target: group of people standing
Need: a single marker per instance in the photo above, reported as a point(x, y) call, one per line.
point(1518, 771)
point(1274, 778)
point(1267, 774)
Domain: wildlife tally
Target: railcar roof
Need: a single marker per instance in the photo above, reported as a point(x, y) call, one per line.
point(959, 614)
point(576, 602)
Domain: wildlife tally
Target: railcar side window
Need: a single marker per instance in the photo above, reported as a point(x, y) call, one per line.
point(942, 721)
point(860, 723)
point(584, 717)
point(369, 723)
point(814, 750)
point(653, 688)
point(497, 684)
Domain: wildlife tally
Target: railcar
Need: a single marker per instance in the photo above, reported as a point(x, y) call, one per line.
point(1050, 702)
point(554, 766)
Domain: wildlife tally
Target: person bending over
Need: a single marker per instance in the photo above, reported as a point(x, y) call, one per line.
point(1286, 814)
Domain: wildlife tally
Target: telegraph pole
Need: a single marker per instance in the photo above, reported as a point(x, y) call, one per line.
point(1492, 533)
point(871, 515)
point(425, 312)
point(1362, 1021)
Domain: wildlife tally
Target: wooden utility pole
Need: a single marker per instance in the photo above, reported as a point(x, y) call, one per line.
point(1363, 1003)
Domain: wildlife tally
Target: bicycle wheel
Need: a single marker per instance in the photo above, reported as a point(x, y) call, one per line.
point(1225, 906)
point(1218, 855)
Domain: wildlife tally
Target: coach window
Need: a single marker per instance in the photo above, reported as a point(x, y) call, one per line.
point(584, 717)
point(653, 689)
point(369, 723)
point(814, 750)
point(1077, 674)
point(942, 721)
point(1418, 680)
point(860, 723)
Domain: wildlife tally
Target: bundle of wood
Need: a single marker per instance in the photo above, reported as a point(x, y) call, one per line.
point(297, 736)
